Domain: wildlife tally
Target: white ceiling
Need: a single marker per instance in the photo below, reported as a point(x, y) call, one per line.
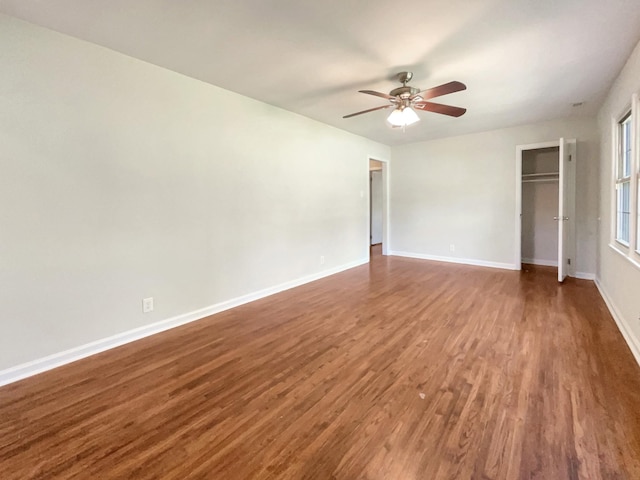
point(523, 61)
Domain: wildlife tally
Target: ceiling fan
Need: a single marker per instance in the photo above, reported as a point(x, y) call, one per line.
point(405, 99)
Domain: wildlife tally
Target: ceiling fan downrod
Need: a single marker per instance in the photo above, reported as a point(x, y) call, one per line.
point(405, 77)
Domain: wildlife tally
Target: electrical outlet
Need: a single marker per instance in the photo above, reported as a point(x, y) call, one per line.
point(452, 248)
point(147, 305)
point(321, 259)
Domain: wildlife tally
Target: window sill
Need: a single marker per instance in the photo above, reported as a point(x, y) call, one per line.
point(625, 254)
point(620, 245)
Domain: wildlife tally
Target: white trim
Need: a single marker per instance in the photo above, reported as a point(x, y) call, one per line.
point(464, 261)
point(386, 206)
point(632, 342)
point(28, 369)
point(584, 276)
point(630, 250)
point(572, 143)
point(537, 261)
point(612, 181)
point(551, 263)
point(634, 167)
point(518, 223)
point(536, 146)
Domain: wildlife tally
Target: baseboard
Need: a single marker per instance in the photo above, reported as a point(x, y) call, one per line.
point(632, 342)
point(464, 261)
point(551, 263)
point(543, 263)
point(584, 275)
point(28, 369)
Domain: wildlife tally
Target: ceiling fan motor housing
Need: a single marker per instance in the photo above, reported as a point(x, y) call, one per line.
point(404, 92)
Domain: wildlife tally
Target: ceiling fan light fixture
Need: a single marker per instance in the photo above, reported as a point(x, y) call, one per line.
point(401, 117)
point(396, 118)
point(410, 116)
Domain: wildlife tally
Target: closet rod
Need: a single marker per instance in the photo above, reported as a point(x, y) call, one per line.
point(541, 180)
point(545, 174)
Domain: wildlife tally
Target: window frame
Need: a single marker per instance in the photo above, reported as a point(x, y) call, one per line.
point(620, 178)
point(631, 251)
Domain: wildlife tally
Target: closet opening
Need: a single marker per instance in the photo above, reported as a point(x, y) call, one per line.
point(540, 196)
point(545, 206)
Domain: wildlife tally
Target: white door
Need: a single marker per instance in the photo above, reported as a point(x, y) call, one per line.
point(563, 208)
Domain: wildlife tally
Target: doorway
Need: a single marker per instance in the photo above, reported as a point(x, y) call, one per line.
point(378, 208)
point(545, 205)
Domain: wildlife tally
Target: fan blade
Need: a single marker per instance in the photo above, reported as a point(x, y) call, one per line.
point(377, 94)
point(367, 111)
point(440, 90)
point(439, 108)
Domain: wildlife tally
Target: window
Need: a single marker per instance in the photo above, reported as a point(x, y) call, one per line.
point(625, 224)
point(623, 181)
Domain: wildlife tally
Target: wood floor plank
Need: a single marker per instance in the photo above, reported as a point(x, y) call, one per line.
point(398, 369)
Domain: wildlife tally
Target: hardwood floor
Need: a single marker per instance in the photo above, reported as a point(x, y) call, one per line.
point(401, 369)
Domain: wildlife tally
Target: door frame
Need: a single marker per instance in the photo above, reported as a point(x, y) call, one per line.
point(518, 210)
point(385, 205)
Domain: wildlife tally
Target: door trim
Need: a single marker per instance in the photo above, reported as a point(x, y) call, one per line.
point(518, 212)
point(385, 205)
point(518, 207)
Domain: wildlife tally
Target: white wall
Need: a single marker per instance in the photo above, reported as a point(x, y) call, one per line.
point(461, 191)
point(618, 279)
point(121, 180)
